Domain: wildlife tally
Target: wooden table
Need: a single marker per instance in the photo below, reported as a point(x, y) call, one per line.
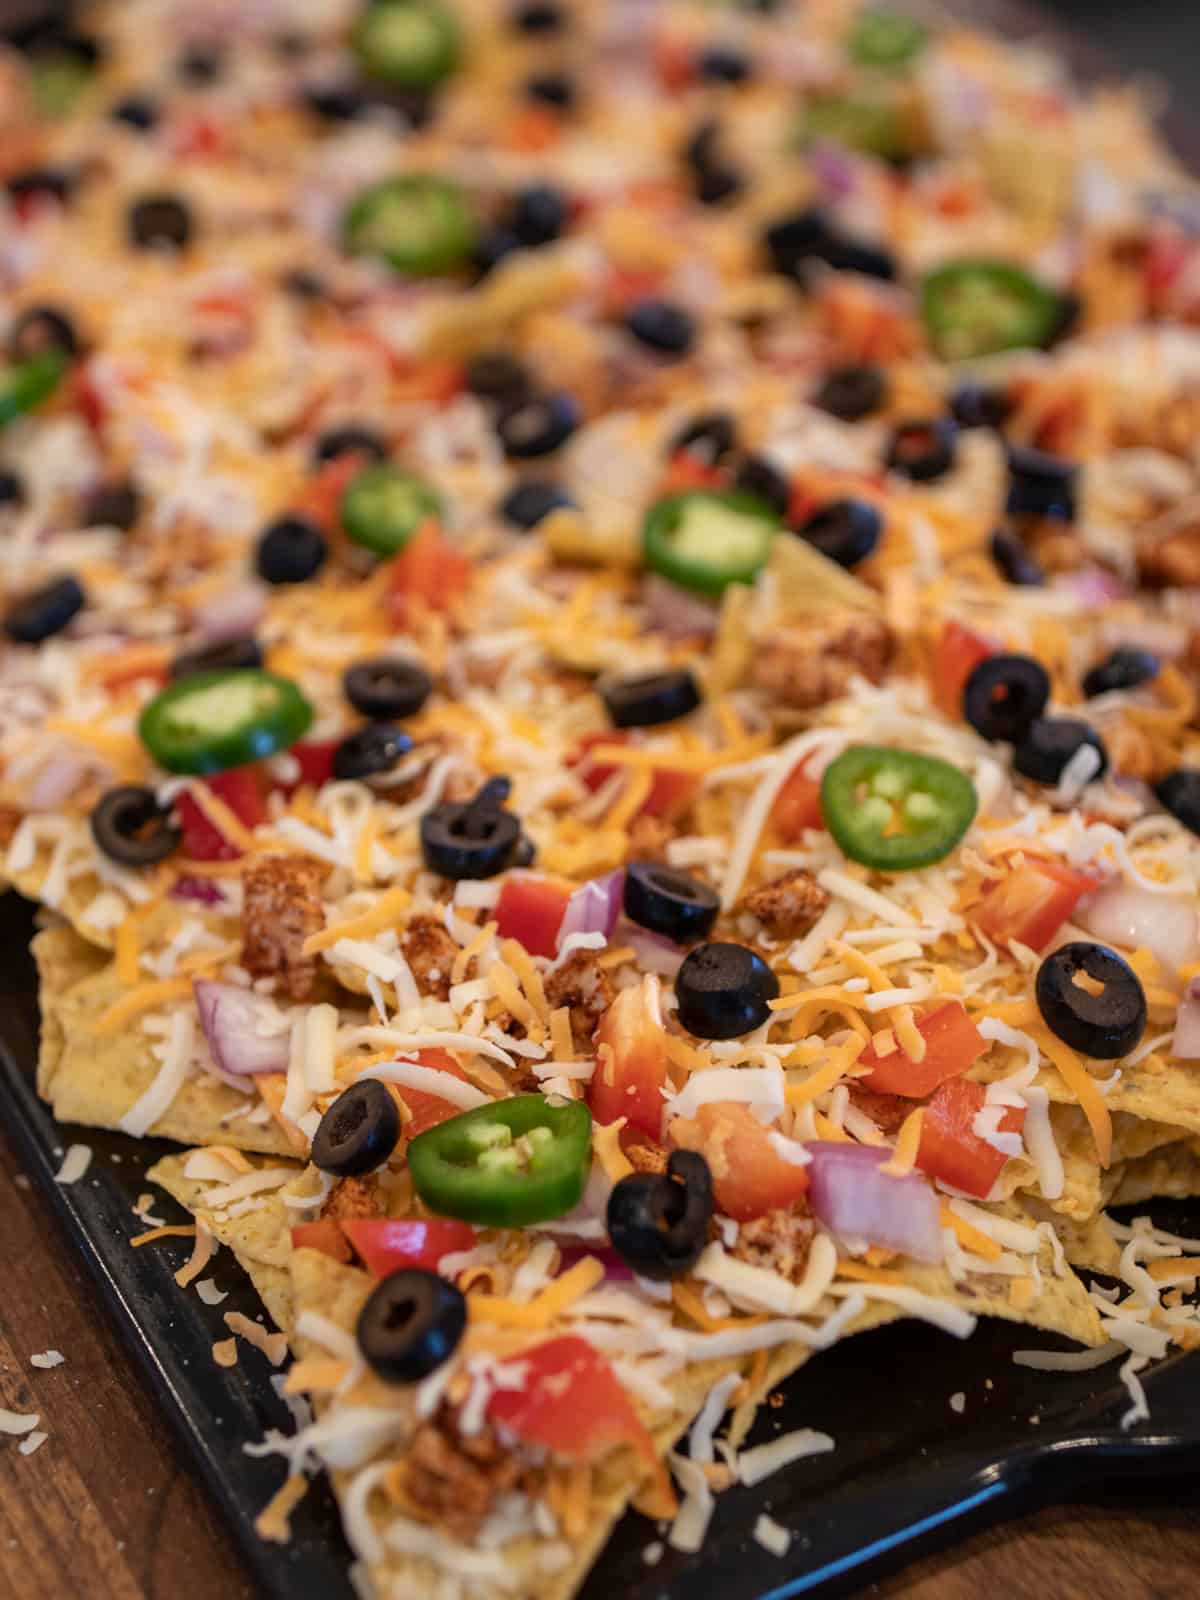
point(106, 1508)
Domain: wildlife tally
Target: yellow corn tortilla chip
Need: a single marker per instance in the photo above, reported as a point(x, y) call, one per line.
point(1062, 1306)
point(97, 1080)
point(1085, 1190)
point(1158, 1089)
point(259, 1237)
point(337, 1293)
point(1171, 1172)
point(1087, 1243)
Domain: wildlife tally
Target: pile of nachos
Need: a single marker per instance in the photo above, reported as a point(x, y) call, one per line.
point(601, 611)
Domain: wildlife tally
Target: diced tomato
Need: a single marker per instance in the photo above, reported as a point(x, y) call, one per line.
point(950, 1150)
point(797, 805)
point(571, 1404)
point(674, 62)
point(801, 503)
point(532, 128)
point(429, 574)
point(428, 1110)
point(630, 1083)
point(241, 790)
point(89, 402)
point(959, 652)
point(200, 135)
point(530, 910)
point(315, 760)
point(625, 286)
point(1032, 902)
point(386, 1245)
point(687, 471)
point(1169, 274)
point(325, 1236)
point(750, 1177)
point(671, 792)
point(321, 496)
point(952, 1044)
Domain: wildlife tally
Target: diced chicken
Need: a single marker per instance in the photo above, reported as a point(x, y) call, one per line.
point(583, 986)
point(807, 666)
point(886, 1111)
point(649, 838)
point(779, 1241)
point(430, 952)
point(354, 1197)
point(454, 1480)
point(788, 906)
point(647, 1156)
point(281, 909)
point(1172, 561)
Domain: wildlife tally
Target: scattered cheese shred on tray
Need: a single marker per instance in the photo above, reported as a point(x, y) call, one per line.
point(165, 1230)
point(761, 1460)
point(274, 1520)
point(272, 1345)
point(771, 1535)
point(225, 1352)
point(202, 1254)
point(75, 1162)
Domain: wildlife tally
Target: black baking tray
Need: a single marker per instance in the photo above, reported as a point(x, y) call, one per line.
point(909, 1473)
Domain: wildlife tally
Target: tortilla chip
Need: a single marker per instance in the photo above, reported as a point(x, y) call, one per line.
point(1157, 1090)
point(259, 1237)
point(1172, 1172)
point(97, 1080)
point(1088, 1243)
point(338, 1292)
point(1062, 1307)
point(1085, 1190)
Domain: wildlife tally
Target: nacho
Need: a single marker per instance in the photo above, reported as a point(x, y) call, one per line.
point(102, 1080)
point(257, 1236)
point(552, 664)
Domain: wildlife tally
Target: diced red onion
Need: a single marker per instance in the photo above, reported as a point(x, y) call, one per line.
point(1125, 914)
point(851, 1196)
point(1186, 1043)
point(1092, 586)
point(675, 612)
point(232, 1019)
point(595, 907)
point(57, 779)
point(615, 1270)
point(202, 890)
point(654, 953)
point(834, 170)
point(233, 614)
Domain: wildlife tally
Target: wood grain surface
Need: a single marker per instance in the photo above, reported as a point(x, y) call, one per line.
point(107, 1509)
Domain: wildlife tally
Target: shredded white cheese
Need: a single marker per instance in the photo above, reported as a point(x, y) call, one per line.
point(74, 1164)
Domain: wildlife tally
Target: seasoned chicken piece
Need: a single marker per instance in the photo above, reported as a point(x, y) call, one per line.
point(454, 1480)
point(354, 1197)
point(779, 1241)
point(647, 1156)
point(583, 986)
point(788, 906)
point(430, 952)
point(1172, 561)
point(649, 838)
point(886, 1111)
point(281, 908)
point(808, 665)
